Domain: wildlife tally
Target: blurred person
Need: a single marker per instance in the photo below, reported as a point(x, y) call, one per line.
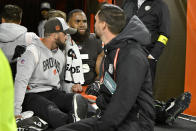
point(44, 8)
point(40, 76)
point(11, 32)
point(13, 37)
point(56, 13)
point(125, 94)
point(7, 119)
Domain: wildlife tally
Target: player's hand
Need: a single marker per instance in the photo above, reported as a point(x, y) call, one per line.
point(77, 88)
point(18, 116)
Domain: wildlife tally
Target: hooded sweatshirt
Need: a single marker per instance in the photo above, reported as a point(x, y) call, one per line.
point(132, 102)
point(11, 35)
point(38, 70)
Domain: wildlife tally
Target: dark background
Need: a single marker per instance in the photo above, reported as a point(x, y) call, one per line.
point(31, 9)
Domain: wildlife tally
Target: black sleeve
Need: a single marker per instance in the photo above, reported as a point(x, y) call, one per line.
point(164, 29)
point(164, 19)
point(131, 71)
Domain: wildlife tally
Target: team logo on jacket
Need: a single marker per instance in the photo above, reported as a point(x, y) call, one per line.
point(28, 87)
point(111, 68)
point(57, 28)
point(147, 8)
point(54, 71)
point(22, 61)
point(50, 63)
point(79, 47)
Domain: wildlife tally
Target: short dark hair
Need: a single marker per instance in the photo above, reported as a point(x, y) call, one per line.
point(12, 13)
point(114, 17)
point(72, 12)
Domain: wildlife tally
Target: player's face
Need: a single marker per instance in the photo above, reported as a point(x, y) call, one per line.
point(79, 22)
point(44, 14)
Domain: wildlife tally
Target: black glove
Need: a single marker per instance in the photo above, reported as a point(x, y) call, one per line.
point(19, 50)
point(93, 89)
point(104, 97)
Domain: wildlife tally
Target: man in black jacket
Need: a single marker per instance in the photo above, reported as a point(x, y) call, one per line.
point(125, 98)
point(155, 16)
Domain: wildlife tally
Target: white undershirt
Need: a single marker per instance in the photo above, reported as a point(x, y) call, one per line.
point(139, 3)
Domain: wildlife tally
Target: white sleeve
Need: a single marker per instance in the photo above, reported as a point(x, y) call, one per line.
point(25, 68)
point(62, 74)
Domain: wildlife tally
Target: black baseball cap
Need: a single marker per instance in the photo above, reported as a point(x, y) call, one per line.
point(58, 24)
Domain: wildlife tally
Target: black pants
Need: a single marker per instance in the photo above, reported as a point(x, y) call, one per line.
point(52, 106)
point(93, 124)
point(153, 64)
point(88, 124)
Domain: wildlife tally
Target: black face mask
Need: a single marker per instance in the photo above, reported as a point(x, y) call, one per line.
point(80, 38)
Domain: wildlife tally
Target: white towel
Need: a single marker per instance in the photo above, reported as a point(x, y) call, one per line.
point(74, 72)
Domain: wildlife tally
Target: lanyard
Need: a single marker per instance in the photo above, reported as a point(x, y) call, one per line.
point(115, 61)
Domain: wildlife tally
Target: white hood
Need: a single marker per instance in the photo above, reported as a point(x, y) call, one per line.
point(10, 32)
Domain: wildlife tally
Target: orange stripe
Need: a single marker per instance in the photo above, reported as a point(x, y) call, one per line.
point(190, 71)
point(91, 97)
point(109, 1)
point(92, 22)
point(116, 57)
point(115, 60)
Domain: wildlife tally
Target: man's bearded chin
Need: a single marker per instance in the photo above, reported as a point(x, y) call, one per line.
point(77, 37)
point(60, 45)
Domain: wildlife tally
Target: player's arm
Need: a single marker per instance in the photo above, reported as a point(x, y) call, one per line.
point(25, 68)
point(164, 32)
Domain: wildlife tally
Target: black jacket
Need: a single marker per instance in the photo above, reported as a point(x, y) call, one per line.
point(133, 79)
point(155, 15)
